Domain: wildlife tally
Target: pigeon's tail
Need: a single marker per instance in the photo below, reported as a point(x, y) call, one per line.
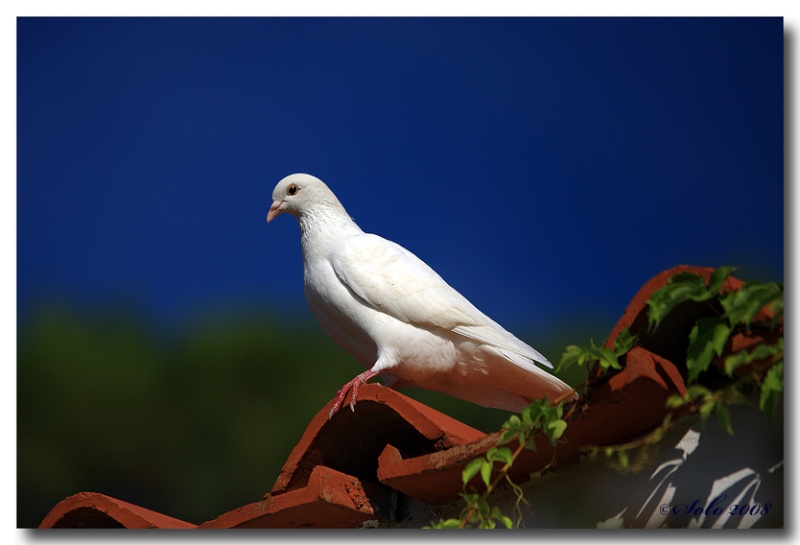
point(500, 384)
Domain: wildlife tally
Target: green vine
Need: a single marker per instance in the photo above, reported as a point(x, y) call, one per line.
point(607, 359)
point(710, 335)
point(733, 312)
point(707, 341)
point(540, 416)
point(619, 456)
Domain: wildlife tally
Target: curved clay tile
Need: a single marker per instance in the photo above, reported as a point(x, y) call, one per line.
point(93, 510)
point(351, 441)
point(348, 471)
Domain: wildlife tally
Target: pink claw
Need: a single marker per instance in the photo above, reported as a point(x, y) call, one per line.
point(352, 385)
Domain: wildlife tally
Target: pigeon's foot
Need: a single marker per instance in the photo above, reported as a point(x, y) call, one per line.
point(353, 386)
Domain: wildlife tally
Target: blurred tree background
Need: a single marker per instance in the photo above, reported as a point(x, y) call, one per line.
point(191, 422)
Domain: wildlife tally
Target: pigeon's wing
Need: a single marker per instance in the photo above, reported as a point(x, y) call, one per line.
point(388, 278)
point(512, 348)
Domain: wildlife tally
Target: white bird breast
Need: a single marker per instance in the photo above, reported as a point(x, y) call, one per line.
point(378, 341)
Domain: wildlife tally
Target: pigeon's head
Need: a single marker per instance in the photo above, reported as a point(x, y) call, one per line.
point(299, 194)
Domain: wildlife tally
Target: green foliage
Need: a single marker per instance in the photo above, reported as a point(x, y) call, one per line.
point(771, 389)
point(706, 340)
point(706, 402)
point(484, 516)
point(684, 287)
point(574, 355)
point(619, 456)
point(742, 305)
point(624, 342)
point(183, 422)
point(105, 399)
point(710, 335)
point(540, 417)
point(758, 353)
point(190, 421)
point(606, 358)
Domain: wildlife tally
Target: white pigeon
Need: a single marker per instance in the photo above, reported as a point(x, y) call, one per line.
point(400, 319)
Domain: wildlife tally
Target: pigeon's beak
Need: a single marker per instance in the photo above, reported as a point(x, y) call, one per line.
point(274, 210)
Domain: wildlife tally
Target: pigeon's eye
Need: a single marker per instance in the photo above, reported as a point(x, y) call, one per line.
point(292, 189)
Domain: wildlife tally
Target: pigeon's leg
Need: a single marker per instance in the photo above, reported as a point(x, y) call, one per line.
point(353, 385)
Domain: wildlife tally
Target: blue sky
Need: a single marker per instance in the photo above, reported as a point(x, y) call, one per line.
point(546, 168)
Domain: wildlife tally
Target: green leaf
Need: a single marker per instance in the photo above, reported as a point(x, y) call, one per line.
point(557, 429)
point(696, 392)
point(483, 508)
point(527, 418)
point(500, 454)
point(530, 442)
point(764, 296)
point(705, 410)
point(624, 342)
point(573, 355)
point(771, 389)
point(507, 436)
point(674, 401)
point(486, 472)
point(513, 428)
point(471, 499)
point(444, 524)
point(471, 470)
point(708, 337)
point(718, 277)
point(777, 308)
point(742, 305)
point(607, 358)
point(724, 418)
point(680, 288)
point(760, 352)
point(737, 359)
point(499, 516)
point(513, 422)
point(622, 458)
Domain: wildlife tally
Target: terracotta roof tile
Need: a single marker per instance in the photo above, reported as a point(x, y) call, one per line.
point(352, 440)
point(329, 499)
point(93, 510)
point(346, 472)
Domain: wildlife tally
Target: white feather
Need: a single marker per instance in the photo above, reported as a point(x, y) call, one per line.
point(398, 317)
